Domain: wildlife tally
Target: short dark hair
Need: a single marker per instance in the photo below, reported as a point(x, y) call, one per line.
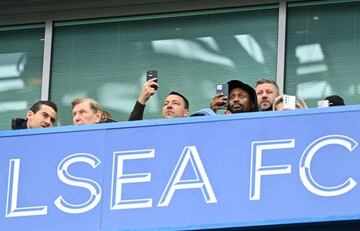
point(335, 100)
point(36, 106)
point(262, 81)
point(183, 97)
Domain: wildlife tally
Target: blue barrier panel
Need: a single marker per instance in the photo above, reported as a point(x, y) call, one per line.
point(192, 173)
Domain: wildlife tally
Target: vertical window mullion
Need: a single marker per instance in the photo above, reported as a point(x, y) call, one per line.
point(45, 83)
point(280, 73)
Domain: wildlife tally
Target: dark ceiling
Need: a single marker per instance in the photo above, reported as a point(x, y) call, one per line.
point(31, 6)
point(13, 10)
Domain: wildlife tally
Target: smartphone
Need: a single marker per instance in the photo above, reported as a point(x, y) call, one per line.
point(289, 102)
point(323, 103)
point(223, 88)
point(151, 74)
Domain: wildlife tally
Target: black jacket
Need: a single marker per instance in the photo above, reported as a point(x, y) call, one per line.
point(18, 123)
point(137, 112)
point(104, 120)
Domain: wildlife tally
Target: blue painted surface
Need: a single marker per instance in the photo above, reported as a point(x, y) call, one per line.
point(225, 145)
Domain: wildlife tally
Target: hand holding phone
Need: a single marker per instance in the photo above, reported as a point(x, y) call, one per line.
point(220, 99)
point(152, 74)
point(224, 89)
point(289, 102)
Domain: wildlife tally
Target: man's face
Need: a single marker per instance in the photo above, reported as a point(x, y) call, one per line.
point(239, 101)
point(174, 106)
point(82, 114)
point(43, 118)
point(266, 94)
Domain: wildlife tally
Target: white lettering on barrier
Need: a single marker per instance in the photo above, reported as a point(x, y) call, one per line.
point(119, 178)
point(189, 155)
point(93, 187)
point(257, 170)
point(12, 209)
point(305, 166)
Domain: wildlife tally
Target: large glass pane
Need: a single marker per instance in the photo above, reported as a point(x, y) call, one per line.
point(323, 51)
point(21, 59)
point(108, 60)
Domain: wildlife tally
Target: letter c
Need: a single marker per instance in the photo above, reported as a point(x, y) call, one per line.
point(305, 168)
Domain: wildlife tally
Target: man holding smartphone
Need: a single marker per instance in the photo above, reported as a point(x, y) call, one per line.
point(175, 104)
point(242, 98)
point(146, 92)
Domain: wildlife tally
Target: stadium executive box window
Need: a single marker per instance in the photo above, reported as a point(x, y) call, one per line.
point(107, 59)
point(323, 51)
point(21, 58)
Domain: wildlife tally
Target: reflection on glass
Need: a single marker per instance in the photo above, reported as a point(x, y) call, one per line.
point(313, 90)
point(190, 50)
point(11, 84)
point(252, 47)
point(12, 64)
point(309, 53)
point(13, 106)
point(323, 51)
point(192, 54)
point(310, 69)
point(21, 56)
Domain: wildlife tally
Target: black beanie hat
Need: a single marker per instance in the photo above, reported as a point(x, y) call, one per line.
point(238, 84)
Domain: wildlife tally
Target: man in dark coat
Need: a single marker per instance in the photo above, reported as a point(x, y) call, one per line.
point(41, 115)
point(175, 104)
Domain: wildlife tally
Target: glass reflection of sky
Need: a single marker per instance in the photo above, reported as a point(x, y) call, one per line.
point(12, 66)
point(193, 50)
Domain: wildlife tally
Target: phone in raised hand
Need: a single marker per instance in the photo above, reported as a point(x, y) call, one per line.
point(289, 102)
point(151, 74)
point(224, 89)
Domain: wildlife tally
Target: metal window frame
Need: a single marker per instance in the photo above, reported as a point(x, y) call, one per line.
point(46, 72)
point(281, 52)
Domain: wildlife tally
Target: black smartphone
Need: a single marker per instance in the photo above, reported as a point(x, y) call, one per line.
point(151, 74)
point(223, 88)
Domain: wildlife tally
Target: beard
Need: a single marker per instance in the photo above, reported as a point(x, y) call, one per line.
point(266, 107)
point(239, 109)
